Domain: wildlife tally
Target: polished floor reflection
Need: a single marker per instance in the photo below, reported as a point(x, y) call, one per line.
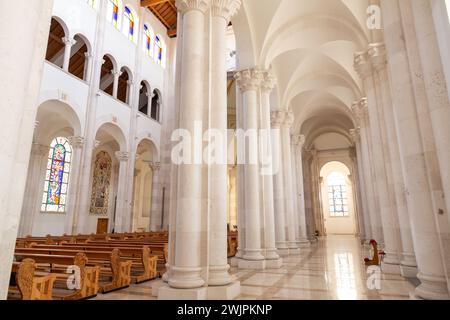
point(332, 269)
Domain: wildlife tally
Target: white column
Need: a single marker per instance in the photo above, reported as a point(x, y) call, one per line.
point(156, 210)
point(88, 66)
point(77, 144)
point(129, 98)
point(277, 119)
point(408, 265)
point(363, 189)
point(23, 53)
point(299, 141)
point(391, 261)
point(120, 224)
point(249, 81)
point(221, 13)
point(288, 181)
point(186, 267)
point(272, 258)
point(34, 188)
point(116, 75)
point(68, 43)
point(419, 199)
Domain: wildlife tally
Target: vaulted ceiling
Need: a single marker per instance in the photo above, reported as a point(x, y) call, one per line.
point(166, 12)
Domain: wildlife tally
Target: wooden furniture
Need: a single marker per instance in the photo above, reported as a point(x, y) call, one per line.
point(102, 226)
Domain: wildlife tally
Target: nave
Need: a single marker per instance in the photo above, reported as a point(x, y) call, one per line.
point(331, 269)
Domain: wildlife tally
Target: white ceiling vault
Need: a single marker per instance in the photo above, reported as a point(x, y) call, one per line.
point(309, 45)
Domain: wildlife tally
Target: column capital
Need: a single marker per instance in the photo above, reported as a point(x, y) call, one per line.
point(377, 54)
point(355, 135)
point(362, 65)
point(359, 110)
point(39, 149)
point(122, 156)
point(225, 8)
point(69, 41)
point(249, 79)
point(116, 73)
point(268, 81)
point(76, 142)
point(298, 140)
point(288, 118)
point(155, 166)
point(188, 5)
point(276, 119)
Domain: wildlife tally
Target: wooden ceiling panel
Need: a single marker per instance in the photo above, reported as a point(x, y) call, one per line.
point(166, 12)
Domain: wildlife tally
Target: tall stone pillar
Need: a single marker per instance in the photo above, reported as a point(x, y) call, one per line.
point(362, 190)
point(288, 182)
point(185, 273)
point(249, 82)
point(116, 74)
point(120, 225)
point(272, 258)
point(419, 199)
point(408, 265)
point(391, 261)
point(221, 13)
point(23, 53)
point(34, 187)
point(277, 118)
point(77, 144)
point(299, 141)
point(156, 209)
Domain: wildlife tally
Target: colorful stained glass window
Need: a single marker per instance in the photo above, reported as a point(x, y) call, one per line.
point(337, 195)
point(158, 50)
point(113, 12)
point(128, 23)
point(56, 183)
point(148, 40)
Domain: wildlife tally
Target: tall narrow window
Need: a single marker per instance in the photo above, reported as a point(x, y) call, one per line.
point(113, 12)
point(159, 50)
point(148, 40)
point(54, 198)
point(337, 195)
point(128, 23)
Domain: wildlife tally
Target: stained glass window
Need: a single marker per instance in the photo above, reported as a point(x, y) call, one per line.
point(148, 40)
point(128, 23)
point(159, 50)
point(113, 12)
point(56, 183)
point(337, 195)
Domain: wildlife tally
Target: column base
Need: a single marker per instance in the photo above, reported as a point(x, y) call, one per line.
point(432, 288)
point(274, 264)
point(168, 293)
point(294, 251)
point(408, 271)
point(304, 243)
point(252, 264)
point(390, 268)
point(283, 252)
point(234, 262)
point(228, 292)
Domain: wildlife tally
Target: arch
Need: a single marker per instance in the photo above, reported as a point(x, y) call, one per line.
point(144, 94)
point(107, 131)
point(155, 112)
point(109, 67)
point(124, 86)
point(79, 57)
point(55, 44)
point(144, 139)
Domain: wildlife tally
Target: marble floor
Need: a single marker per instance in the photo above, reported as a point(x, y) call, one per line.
point(332, 269)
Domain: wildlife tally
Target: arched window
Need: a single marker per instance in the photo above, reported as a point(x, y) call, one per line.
point(128, 23)
point(337, 195)
point(159, 51)
point(148, 40)
point(156, 106)
point(113, 12)
point(54, 198)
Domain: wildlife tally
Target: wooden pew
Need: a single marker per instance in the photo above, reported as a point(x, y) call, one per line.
point(31, 287)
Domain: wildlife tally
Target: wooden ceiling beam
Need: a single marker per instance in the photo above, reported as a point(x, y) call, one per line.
point(151, 3)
